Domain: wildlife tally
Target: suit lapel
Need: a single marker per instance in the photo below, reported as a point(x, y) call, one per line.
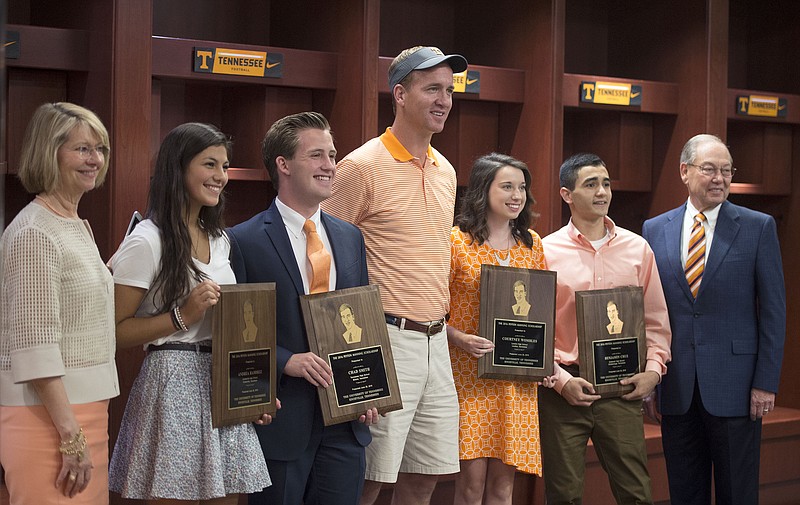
point(724, 234)
point(277, 234)
point(672, 240)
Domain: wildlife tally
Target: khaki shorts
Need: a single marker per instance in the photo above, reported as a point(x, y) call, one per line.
point(421, 438)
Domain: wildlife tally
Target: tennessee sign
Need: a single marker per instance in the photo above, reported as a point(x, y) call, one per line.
point(760, 105)
point(611, 93)
point(468, 81)
point(217, 60)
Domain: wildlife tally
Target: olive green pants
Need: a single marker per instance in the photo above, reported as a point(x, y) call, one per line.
point(615, 427)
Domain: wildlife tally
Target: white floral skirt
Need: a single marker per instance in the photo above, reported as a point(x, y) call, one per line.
point(166, 446)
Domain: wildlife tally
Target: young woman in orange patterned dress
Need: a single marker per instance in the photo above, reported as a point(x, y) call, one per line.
point(499, 421)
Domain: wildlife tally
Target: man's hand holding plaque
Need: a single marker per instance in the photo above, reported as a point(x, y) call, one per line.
point(644, 383)
point(579, 392)
point(316, 371)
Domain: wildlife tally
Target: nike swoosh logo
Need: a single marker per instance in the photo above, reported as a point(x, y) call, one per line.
point(781, 107)
point(471, 81)
point(634, 95)
point(10, 43)
point(270, 65)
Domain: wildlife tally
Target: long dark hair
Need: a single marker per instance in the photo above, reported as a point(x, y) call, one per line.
point(169, 203)
point(475, 202)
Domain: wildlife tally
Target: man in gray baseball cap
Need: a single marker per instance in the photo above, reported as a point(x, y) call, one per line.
point(400, 192)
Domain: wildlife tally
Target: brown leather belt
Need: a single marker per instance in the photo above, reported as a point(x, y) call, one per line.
point(407, 324)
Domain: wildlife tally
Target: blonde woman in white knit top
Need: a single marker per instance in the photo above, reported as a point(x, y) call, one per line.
point(57, 369)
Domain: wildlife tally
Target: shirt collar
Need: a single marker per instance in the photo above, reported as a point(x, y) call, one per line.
point(293, 220)
point(577, 236)
point(398, 151)
point(711, 214)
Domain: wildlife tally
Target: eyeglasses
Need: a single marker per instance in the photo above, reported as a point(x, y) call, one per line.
point(85, 151)
point(711, 170)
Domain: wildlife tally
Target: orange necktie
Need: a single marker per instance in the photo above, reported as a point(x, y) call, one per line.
point(696, 259)
point(319, 260)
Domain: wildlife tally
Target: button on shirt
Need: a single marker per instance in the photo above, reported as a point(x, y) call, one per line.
point(625, 259)
point(294, 228)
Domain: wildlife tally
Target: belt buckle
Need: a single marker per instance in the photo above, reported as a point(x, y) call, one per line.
point(435, 328)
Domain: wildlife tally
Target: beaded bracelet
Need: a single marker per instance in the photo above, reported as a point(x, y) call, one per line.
point(177, 318)
point(74, 446)
point(175, 323)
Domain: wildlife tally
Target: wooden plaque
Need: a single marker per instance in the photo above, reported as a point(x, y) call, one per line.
point(243, 354)
point(518, 310)
point(611, 337)
point(347, 328)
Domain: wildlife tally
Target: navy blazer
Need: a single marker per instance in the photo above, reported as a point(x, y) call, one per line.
point(730, 337)
point(261, 252)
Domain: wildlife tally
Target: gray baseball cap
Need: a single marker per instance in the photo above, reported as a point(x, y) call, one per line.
point(427, 57)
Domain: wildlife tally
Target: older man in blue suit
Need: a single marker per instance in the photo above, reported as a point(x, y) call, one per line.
point(720, 266)
point(308, 462)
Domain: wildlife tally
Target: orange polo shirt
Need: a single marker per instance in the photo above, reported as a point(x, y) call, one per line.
point(405, 211)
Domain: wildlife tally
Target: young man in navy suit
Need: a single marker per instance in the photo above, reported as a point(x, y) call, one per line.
point(308, 462)
point(727, 339)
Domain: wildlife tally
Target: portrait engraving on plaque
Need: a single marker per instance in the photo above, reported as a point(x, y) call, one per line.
point(522, 305)
point(614, 327)
point(352, 331)
point(250, 329)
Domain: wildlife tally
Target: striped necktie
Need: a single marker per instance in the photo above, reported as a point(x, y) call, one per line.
point(319, 260)
point(696, 259)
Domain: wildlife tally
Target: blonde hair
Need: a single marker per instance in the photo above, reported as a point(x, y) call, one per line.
point(47, 131)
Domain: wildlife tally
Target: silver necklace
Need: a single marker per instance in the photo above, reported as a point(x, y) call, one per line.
point(503, 262)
